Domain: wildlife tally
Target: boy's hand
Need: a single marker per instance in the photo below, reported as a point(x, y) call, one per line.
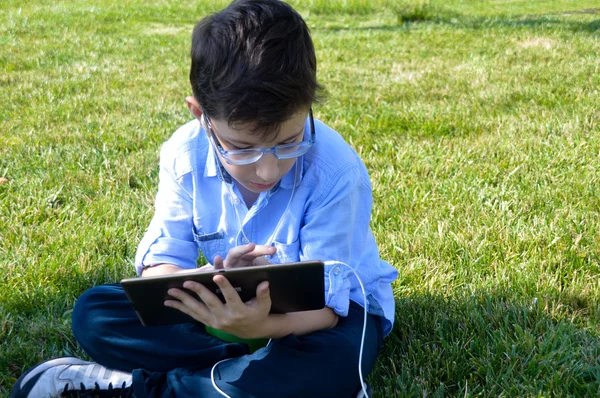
point(244, 256)
point(245, 320)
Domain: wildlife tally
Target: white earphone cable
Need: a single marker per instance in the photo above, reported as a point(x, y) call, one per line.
point(362, 339)
point(327, 263)
point(274, 234)
point(212, 378)
point(232, 195)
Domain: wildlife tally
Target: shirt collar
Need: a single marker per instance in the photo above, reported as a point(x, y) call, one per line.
point(213, 165)
point(287, 181)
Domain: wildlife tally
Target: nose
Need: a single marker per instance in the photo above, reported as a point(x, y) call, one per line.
point(267, 167)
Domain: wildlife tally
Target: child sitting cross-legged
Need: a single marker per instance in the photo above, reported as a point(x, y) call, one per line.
point(252, 179)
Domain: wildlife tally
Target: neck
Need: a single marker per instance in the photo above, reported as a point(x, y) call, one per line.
point(248, 196)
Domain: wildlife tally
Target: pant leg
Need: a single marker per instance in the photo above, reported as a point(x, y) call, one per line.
point(321, 364)
point(109, 331)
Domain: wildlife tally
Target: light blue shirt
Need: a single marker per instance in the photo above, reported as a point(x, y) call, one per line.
point(320, 210)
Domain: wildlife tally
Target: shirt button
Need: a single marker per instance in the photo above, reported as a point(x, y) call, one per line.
point(336, 271)
point(245, 240)
point(235, 201)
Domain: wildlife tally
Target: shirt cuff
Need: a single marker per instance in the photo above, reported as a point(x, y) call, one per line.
point(337, 288)
point(158, 249)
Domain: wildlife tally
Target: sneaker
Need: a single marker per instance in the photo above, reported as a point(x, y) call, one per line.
point(71, 377)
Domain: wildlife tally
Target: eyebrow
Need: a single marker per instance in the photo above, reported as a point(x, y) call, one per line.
point(242, 143)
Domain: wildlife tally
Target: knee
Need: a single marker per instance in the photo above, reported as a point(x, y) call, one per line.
point(89, 315)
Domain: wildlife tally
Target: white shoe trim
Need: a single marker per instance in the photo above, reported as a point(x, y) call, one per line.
point(41, 368)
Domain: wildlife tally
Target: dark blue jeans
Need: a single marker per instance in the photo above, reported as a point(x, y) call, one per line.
point(176, 361)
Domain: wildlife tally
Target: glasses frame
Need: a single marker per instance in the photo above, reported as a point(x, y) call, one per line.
point(260, 151)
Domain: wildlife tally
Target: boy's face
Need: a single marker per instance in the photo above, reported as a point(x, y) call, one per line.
point(268, 170)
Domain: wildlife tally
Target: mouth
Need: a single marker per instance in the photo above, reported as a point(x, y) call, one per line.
point(262, 186)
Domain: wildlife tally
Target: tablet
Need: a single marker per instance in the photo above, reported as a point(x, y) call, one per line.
point(293, 287)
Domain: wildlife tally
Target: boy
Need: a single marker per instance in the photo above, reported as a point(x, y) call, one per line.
point(252, 179)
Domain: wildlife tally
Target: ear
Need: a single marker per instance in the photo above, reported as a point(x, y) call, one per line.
point(194, 107)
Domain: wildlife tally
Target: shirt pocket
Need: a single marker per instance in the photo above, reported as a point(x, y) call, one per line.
point(286, 252)
point(211, 244)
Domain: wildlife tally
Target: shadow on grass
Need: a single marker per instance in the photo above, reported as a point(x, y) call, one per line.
point(488, 345)
point(530, 21)
point(408, 20)
point(484, 344)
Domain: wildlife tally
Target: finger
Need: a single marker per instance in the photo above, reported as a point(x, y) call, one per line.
point(266, 249)
point(239, 251)
point(218, 262)
point(236, 254)
point(186, 303)
point(210, 300)
point(263, 296)
point(178, 305)
point(262, 290)
point(262, 250)
point(262, 260)
point(232, 298)
point(259, 251)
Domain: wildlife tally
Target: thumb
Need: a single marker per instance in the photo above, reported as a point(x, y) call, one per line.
point(218, 262)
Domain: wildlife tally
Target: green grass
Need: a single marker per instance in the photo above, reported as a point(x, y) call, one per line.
point(478, 121)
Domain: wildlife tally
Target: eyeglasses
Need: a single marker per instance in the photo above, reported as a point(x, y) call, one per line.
point(242, 157)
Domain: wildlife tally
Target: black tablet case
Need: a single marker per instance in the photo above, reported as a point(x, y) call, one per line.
point(293, 287)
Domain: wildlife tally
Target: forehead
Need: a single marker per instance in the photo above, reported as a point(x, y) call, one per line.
point(247, 133)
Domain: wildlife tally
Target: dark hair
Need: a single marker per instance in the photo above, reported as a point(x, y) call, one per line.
point(254, 62)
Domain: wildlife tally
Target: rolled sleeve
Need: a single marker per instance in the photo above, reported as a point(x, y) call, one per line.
point(169, 238)
point(164, 250)
point(337, 287)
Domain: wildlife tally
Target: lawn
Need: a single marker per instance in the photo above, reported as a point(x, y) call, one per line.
point(478, 120)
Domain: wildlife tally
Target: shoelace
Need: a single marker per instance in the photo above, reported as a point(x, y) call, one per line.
point(97, 392)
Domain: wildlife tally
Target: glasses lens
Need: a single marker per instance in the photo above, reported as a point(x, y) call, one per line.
point(292, 151)
point(243, 158)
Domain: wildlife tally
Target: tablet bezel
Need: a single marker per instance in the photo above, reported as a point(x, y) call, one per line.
point(298, 286)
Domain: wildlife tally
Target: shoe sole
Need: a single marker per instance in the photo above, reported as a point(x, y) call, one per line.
point(19, 391)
